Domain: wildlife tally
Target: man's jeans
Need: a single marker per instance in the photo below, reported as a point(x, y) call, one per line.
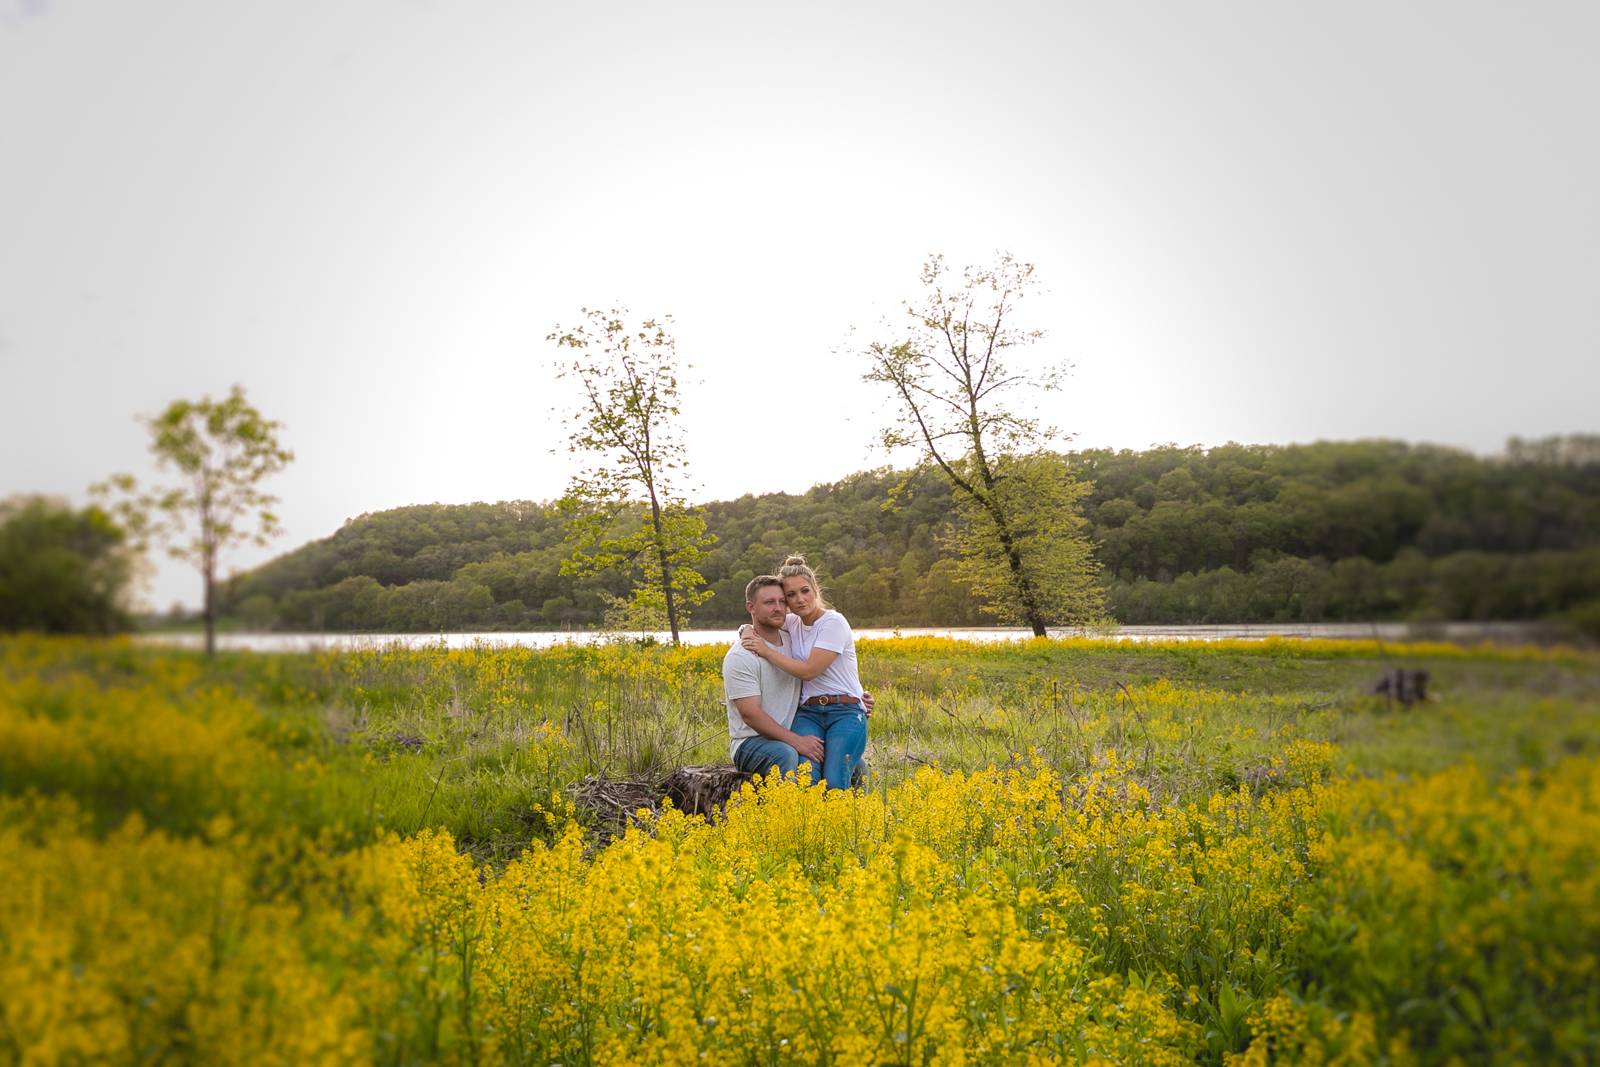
point(843, 729)
point(758, 755)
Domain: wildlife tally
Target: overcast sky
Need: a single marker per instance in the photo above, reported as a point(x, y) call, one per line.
point(1262, 222)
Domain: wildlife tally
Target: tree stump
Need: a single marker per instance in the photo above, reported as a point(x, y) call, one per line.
point(613, 803)
point(703, 790)
point(1408, 687)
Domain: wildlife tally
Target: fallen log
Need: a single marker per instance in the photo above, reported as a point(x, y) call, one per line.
point(612, 803)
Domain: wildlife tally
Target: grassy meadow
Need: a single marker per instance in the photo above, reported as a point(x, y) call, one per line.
point(1067, 851)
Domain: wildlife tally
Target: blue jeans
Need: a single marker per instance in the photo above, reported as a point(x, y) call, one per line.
point(758, 755)
point(843, 729)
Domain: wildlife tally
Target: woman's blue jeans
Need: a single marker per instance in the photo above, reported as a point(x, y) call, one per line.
point(843, 729)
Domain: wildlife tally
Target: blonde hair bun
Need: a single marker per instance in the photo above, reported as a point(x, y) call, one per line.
point(795, 567)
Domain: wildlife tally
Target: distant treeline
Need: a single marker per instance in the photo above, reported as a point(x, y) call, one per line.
point(1329, 531)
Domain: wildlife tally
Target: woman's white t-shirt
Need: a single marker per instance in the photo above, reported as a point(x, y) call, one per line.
point(831, 632)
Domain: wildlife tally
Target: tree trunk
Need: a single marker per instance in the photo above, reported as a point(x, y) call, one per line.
point(209, 569)
point(1030, 609)
point(666, 567)
point(1030, 605)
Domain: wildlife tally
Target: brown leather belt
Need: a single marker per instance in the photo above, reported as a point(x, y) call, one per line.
point(822, 700)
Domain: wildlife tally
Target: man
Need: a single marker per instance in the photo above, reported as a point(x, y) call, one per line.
point(762, 698)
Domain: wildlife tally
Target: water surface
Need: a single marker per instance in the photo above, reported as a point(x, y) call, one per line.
point(1460, 632)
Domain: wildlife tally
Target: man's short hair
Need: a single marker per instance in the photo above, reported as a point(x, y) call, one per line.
point(759, 582)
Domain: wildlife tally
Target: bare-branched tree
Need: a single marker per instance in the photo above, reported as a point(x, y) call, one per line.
point(964, 383)
point(219, 451)
point(626, 508)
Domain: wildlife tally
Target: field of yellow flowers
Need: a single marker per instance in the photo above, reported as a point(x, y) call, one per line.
point(1067, 851)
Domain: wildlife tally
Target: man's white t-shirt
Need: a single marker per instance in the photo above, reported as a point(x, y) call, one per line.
point(745, 674)
point(830, 632)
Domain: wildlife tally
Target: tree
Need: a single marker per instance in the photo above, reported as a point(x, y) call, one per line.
point(62, 571)
point(220, 451)
point(960, 379)
point(626, 510)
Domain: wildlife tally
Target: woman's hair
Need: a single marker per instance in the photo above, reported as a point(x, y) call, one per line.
point(795, 567)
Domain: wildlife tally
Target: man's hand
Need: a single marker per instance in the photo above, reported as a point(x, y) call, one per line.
point(867, 701)
point(810, 748)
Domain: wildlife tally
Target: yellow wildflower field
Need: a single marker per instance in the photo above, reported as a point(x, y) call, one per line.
point(1067, 852)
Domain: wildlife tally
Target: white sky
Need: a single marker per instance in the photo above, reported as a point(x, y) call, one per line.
point(1264, 222)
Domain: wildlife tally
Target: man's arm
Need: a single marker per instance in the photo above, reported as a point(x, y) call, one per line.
point(756, 717)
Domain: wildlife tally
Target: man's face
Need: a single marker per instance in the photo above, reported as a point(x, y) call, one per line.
point(768, 607)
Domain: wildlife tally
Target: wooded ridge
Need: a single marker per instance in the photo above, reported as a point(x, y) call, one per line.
point(1237, 533)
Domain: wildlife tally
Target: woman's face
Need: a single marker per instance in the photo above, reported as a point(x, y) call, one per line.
point(799, 595)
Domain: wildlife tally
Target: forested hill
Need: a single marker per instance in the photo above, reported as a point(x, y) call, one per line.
point(1358, 530)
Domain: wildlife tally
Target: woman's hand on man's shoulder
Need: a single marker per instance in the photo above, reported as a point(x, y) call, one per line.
point(751, 641)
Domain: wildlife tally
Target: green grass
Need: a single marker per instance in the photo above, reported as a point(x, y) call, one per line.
point(480, 741)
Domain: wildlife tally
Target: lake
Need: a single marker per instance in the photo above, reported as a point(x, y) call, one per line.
point(1460, 632)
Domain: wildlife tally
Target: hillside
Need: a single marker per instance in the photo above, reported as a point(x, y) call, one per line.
point(1239, 533)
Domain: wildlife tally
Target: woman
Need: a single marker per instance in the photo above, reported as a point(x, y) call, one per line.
point(825, 662)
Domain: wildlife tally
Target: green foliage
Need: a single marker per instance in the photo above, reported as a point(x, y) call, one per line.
point(1463, 585)
point(1336, 500)
point(625, 512)
point(62, 571)
point(1584, 619)
point(1042, 500)
point(661, 552)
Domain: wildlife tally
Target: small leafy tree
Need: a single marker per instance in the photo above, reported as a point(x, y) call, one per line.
point(626, 509)
point(220, 451)
point(962, 384)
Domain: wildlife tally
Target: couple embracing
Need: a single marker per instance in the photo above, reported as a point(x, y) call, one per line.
point(790, 681)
